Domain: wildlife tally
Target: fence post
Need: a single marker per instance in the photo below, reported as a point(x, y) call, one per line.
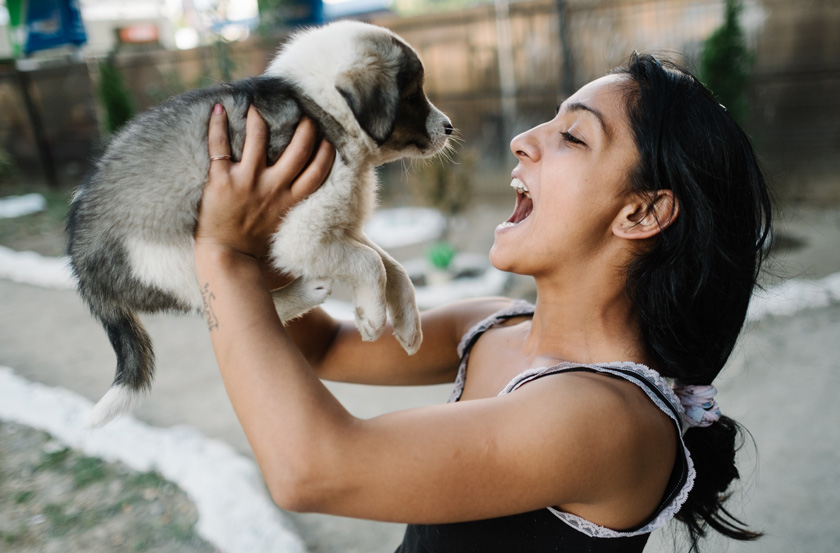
point(44, 152)
point(567, 81)
point(507, 73)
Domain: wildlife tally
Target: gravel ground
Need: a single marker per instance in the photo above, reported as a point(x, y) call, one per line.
point(55, 499)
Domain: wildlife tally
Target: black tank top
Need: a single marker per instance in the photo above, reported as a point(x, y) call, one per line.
point(548, 530)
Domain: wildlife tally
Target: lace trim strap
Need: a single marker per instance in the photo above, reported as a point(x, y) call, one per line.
point(515, 309)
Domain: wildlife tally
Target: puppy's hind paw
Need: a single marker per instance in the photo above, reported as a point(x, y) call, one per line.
point(410, 340)
point(407, 329)
point(370, 328)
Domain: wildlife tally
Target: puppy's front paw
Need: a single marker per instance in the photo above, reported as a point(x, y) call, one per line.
point(315, 291)
point(300, 296)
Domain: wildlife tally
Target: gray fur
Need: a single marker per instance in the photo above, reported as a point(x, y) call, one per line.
point(131, 223)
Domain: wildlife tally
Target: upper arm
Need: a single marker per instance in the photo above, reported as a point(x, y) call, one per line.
point(336, 351)
point(540, 446)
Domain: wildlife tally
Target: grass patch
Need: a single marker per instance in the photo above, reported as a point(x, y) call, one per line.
point(10, 538)
point(54, 460)
point(87, 470)
point(24, 497)
point(149, 479)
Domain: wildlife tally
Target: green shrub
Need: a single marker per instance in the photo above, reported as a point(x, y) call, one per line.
point(726, 63)
point(114, 96)
point(8, 168)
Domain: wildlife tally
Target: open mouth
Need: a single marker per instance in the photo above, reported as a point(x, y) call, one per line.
point(524, 205)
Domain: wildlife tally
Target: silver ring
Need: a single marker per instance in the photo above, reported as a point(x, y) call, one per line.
point(217, 158)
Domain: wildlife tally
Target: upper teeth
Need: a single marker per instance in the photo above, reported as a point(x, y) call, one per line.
point(517, 185)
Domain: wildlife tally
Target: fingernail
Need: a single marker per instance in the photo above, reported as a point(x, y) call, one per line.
point(218, 108)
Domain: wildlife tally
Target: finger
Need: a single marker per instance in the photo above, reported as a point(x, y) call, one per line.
point(297, 154)
point(311, 178)
point(217, 138)
point(256, 139)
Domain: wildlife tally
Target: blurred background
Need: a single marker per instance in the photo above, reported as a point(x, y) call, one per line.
point(72, 72)
point(496, 67)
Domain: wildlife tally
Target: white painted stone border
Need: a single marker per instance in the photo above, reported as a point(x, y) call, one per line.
point(235, 512)
point(35, 269)
point(18, 206)
point(787, 298)
point(793, 296)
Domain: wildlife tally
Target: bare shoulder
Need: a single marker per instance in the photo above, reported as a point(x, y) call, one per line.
point(625, 446)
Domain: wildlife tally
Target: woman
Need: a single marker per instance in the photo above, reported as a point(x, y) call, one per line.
point(641, 215)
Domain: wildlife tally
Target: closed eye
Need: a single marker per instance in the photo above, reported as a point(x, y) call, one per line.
point(572, 139)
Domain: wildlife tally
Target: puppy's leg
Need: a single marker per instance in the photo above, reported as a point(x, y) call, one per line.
point(300, 296)
point(361, 267)
point(402, 306)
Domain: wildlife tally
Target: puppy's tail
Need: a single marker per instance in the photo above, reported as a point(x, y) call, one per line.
point(135, 367)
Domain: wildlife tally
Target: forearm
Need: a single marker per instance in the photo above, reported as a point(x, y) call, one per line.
point(289, 417)
point(314, 334)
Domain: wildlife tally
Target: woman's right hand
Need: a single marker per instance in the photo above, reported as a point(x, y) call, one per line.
point(243, 202)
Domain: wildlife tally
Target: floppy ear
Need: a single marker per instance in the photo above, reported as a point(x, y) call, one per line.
point(373, 98)
point(647, 215)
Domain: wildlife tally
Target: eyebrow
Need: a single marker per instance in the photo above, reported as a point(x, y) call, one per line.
point(577, 106)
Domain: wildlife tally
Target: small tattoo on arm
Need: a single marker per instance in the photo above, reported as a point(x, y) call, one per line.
point(207, 298)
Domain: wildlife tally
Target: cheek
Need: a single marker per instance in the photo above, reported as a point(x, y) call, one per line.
point(580, 214)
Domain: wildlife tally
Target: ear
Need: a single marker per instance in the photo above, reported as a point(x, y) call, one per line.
point(373, 98)
point(647, 215)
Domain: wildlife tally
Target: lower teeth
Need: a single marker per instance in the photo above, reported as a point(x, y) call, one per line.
point(506, 224)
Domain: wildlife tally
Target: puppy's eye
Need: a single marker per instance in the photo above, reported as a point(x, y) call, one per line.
point(415, 96)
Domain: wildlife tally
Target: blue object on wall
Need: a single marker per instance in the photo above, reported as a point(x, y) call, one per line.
point(53, 23)
point(305, 12)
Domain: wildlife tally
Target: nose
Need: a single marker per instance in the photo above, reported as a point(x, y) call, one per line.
point(447, 128)
point(523, 146)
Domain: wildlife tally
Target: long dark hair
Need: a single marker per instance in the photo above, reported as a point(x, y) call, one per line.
point(692, 288)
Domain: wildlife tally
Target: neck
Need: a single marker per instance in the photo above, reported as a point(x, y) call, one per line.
point(588, 319)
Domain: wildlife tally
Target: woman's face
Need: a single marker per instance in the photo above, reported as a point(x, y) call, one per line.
point(572, 183)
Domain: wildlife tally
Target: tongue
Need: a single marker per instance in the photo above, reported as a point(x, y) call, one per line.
point(522, 210)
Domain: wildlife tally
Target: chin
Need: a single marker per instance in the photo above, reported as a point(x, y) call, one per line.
point(499, 260)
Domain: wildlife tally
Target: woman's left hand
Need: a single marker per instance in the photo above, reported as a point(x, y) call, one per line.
point(243, 202)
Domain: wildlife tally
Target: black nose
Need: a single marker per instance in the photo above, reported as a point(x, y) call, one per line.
point(447, 128)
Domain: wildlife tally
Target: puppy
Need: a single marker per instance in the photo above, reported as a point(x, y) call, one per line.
point(131, 223)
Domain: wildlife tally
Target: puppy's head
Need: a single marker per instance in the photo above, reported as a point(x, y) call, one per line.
point(369, 80)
